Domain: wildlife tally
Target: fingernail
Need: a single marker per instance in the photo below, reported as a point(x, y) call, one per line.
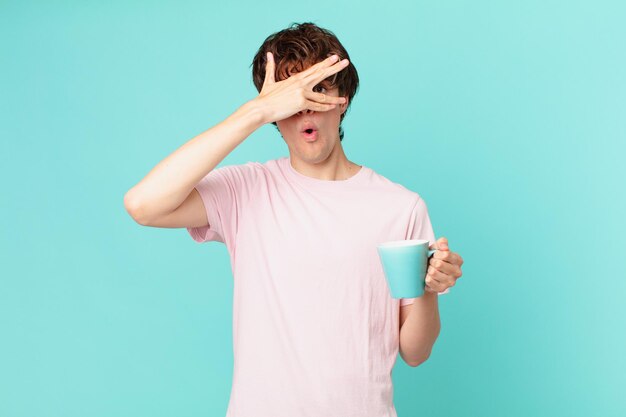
point(334, 58)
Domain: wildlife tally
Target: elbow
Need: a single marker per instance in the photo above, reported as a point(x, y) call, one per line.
point(420, 355)
point(133, 208)
point(416, 349)
point(416, 363)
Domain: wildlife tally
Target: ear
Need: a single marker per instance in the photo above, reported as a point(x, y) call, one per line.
point(344, 106)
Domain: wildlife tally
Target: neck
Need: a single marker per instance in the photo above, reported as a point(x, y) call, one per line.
point(334, 168)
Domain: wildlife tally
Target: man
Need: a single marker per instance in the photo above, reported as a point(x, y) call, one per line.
point(316, 331)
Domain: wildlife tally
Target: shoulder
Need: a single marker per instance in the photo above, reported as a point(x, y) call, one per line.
point(392, 189)
point(251, 169)
point(244, 171)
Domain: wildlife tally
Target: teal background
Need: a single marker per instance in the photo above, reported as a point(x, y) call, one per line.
point(506, 117)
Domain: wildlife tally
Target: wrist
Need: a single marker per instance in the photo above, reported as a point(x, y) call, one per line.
point(429, 296)
point(255, 112)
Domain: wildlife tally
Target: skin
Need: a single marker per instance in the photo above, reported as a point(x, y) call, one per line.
point(324, 158)
point(419, 322)
point(444, 267)
point(302, 97)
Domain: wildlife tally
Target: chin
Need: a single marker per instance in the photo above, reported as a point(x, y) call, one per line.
point(317, 157)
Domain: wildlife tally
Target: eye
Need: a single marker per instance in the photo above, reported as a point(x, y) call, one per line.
point(317, 87)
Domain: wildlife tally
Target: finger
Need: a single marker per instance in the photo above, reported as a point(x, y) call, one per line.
point(324, 72)
point(440, 277)
point(312, 105)
point(439, 289)
point(324, 98)
point(442, 254)
point(438, 280)
point(269, 68)
point(316, 67)
point(448, 256)
point(433, 284)
point(443, 266)
point(441, 244)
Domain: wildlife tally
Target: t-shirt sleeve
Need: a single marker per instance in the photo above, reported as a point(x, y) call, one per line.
point(420, 228)
point(224, 192)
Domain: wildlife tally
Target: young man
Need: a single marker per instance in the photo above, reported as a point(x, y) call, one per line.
point(316, 331)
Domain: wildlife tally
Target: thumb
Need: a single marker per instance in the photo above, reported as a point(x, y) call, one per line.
point(440, 244)
point(269, 68)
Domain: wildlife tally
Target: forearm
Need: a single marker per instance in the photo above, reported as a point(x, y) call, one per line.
point(171, 181)
point(420, 329)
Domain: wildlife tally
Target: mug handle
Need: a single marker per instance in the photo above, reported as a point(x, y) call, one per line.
point(430, 253)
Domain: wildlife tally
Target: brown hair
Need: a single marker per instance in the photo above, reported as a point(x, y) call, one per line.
point(298, 47)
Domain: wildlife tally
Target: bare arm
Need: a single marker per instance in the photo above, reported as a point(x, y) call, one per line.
point(171, 181)
point(156, 198)
point(419, 328)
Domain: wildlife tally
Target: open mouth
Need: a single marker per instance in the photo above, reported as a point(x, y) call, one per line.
point(310, 135)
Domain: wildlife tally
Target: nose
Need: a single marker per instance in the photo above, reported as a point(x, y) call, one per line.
point(305, 111)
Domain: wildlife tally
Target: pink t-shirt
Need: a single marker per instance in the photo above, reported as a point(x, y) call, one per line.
point(315, 329)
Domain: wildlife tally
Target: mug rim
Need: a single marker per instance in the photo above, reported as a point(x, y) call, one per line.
point(403, 243)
